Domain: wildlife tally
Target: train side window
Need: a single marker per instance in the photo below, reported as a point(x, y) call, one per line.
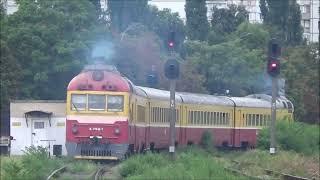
point(247, 120)
point(156, 114)
point(203, 115)
point(78, 102)
point(177, 115)
point(250, 120)
point(197, 117)
point(141, 113)
point(268, 120)
point(215, 118)
point(211, 118)
point(228, 119)
point(161, 115)
point(257, 120)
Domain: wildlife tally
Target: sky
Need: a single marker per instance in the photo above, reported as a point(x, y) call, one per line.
point(174, 5)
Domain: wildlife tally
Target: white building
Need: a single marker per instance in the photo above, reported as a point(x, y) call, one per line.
point(252, 6)
point(37, 123)
point(10, 6)
point(309, 19)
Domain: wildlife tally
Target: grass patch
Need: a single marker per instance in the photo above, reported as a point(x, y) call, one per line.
point(189, 164)
point(296, 136)
point(289, 162)
point(83, 167)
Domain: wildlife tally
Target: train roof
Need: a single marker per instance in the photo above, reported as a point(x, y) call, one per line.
point(193, 98)
point(99, 80)
point(250, 102)
point(254, 100)
point(155, 93)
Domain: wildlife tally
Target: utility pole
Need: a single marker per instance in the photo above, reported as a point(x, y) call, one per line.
point(172, 118)
point(273, 115)
point(171, 70)
point(273, 69)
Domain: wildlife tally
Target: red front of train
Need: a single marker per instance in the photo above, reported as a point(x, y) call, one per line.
point(97, 114)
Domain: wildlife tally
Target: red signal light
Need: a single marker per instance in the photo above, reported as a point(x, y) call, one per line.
point(273, 67)
point(171, 44)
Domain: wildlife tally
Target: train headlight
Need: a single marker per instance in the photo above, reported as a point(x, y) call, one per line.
point(117, 130)
point(74, 129)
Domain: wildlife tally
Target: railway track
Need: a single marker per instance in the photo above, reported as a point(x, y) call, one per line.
point(56, 172)
point(103, 170)
point(269, 174)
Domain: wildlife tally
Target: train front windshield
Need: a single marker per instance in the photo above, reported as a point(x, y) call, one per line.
point(97, 102)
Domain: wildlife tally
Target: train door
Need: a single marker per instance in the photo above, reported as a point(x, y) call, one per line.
point(182, 123)
point(238, 126)
point(147, 123)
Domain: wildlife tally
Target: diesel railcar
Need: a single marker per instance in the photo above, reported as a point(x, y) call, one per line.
point(109, 117)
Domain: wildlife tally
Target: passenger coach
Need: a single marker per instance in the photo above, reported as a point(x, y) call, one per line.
point(109, 117)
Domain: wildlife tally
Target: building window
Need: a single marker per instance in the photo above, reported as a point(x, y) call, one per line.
point(303, 9)
point(38, 125)
point(306, 26)
point(307, 8)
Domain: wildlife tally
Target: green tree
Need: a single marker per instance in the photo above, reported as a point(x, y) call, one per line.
point(197, 22)
point(125, 12)
point(164, 21)
point(50, 41)
point(301, 70)
point(227, 20)
point(228, 66)
point(285, 17)
point(252, 36)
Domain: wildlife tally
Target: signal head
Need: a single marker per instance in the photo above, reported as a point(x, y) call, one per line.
point(171, 40)
point(273, 67)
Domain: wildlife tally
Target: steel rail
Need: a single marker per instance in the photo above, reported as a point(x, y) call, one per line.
point(57, 171)
point(99, 173)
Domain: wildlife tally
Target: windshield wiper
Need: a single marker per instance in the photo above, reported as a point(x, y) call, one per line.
point(75, 107)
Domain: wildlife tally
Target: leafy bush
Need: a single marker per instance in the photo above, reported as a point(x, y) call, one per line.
point(11, 169)
point(206, 140)
point(34, 164)
point(296, 136)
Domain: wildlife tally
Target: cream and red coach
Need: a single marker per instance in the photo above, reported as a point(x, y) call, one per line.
point(108, 116)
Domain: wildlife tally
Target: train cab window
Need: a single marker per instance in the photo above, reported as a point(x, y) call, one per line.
point(78, 102)
point(115, 103)
point(96, 102)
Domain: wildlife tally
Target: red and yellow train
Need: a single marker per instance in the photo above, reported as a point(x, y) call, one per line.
point(108, 116)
